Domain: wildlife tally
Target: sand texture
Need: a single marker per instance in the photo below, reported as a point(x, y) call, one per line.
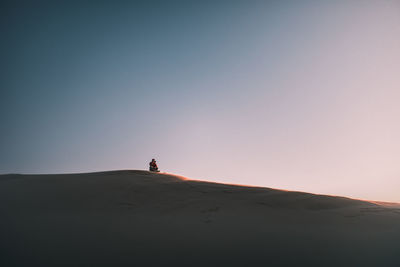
point(138, 218)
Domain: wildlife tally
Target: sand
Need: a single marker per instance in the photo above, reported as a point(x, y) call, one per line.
point(138, 218)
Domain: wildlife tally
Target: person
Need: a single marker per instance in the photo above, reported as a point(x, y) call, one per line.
point(153, 166)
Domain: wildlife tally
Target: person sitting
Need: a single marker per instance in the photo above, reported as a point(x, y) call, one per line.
point(153, 166)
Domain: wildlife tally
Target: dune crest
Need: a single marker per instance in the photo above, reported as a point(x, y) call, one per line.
point(133, 217)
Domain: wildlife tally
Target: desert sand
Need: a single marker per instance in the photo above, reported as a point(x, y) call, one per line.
point(138, 218)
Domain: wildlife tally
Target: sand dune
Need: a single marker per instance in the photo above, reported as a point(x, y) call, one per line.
point(138, 218)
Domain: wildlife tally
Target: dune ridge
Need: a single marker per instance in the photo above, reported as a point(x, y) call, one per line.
point(138, 218)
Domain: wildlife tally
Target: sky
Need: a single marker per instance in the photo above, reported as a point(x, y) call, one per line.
point(297, 95)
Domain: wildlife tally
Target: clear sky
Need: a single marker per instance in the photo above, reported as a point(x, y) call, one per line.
point(298, 95)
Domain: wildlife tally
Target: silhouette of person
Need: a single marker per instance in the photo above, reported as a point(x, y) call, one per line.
point(153, 166)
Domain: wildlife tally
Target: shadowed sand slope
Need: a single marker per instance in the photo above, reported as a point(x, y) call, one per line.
point(138, 218)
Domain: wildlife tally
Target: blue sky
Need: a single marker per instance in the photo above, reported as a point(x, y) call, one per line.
point(300, 95)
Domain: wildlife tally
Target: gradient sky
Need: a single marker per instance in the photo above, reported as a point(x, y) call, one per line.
point(298, 95)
